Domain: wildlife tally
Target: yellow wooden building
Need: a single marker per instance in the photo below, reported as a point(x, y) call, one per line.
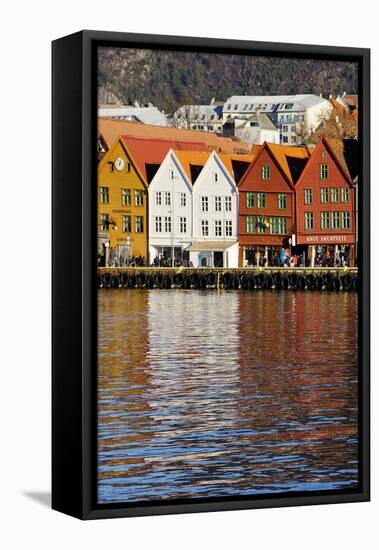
point(122, 207)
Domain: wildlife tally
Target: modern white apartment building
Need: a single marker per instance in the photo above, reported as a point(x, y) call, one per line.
point(296, 116)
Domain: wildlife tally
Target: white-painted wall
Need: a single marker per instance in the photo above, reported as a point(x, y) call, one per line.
point(207, 186)
point(163, 182)
point(316, 114)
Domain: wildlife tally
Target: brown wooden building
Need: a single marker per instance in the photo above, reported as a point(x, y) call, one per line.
point(267, 203)
point(325, 210)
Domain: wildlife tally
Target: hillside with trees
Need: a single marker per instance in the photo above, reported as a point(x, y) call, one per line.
point(170, 79)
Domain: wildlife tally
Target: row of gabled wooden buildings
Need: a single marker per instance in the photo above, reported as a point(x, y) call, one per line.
point(181, 201)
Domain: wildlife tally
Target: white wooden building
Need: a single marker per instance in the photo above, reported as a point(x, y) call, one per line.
point(215, 216)
point(170, 212)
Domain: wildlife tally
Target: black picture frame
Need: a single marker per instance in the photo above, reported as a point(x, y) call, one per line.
point(74, 288)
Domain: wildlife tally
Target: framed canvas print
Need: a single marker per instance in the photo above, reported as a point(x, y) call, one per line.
point(210, 274)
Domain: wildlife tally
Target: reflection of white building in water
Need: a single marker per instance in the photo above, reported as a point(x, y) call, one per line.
point(215, 217)
point(189, 372)
point(170, 211)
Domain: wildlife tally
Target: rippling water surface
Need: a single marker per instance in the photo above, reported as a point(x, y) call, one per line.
point(207, 394)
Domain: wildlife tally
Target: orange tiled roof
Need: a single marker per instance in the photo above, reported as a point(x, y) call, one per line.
point(111, 129)
point(146, 151)
point(284, 153)
point(228, 161)
point(194, 158)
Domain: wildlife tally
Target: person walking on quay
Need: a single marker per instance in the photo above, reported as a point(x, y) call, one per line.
point(282, 257)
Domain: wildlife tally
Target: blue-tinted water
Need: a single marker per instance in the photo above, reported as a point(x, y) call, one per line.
point(207, 394)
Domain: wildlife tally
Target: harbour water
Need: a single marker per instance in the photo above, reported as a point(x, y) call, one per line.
point(211, 394)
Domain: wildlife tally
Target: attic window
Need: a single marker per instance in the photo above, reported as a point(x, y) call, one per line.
point(324, 154)
point(215, 176)
point(110, 166)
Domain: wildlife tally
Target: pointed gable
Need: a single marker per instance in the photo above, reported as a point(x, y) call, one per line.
point(192, 162)
point(253, 181)
point(292, 159)
point(149, 153)
point(323, 153)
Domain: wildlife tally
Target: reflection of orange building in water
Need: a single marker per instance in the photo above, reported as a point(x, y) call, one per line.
point(122, 377)
point(303, 378)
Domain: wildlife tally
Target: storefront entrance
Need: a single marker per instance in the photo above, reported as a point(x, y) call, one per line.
point(218, 259)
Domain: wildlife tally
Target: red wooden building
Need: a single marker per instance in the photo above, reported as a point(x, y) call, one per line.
point(267, 203)
point(325, 210)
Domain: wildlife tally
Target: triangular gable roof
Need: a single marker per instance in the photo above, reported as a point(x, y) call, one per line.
point(109, 154)
point(172, 155)
point(227, 161)
point(192, 158)
point(229, 175)
point(147, 151)
point(265, 147)
point(284, 155)
point(324, 142)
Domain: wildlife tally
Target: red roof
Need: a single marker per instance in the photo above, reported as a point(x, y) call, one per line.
point(147, 151)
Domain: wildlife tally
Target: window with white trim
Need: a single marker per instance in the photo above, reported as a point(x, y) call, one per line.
point(308, 196)
point(167, 198)
point(139, 198)
point(308, 220)
point(158, 198)
point(158, 224)
point(183, 225)
point(218, 204)
point(218, 228)
point(204, 228)
point(345, 220)
point(335, 220)
point(345, 194)
point(126, 197)
point(325, 220)
point(104, 195)
point(167, 224)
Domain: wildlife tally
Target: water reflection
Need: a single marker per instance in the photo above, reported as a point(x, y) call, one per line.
point(209, 394)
